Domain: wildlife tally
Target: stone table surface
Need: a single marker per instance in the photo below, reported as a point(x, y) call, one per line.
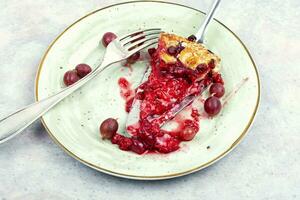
point(266, 165)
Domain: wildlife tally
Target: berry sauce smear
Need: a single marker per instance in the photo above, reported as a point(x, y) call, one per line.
point(126, 92)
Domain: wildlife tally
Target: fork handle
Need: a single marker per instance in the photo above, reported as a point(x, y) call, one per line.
point(15, 123)
point(200, 34)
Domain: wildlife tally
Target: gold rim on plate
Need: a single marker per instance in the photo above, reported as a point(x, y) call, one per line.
point(147, 177)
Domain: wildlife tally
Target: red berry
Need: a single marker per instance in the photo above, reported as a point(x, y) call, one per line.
point(137, 146)
point(71, 77)
point(172, 50)
point(83, 70)
point(217, 90)
point(108, 128)
point(133, 58)
point(212, 106)
point(192, 38)
point(107, 38)
point(188, 133)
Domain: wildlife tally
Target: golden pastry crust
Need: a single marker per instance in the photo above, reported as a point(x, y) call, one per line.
point(191, 56)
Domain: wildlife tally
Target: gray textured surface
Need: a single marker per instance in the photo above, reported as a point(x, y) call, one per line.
point(266, 165)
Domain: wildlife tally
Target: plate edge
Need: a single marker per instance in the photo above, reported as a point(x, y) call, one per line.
point(244, 132)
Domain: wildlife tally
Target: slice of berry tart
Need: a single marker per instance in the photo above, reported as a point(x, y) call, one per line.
point(179, 68)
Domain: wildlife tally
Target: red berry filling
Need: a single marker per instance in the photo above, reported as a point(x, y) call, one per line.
point(126, 92)
point(167, 85)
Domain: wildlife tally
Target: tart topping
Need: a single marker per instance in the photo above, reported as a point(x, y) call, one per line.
point(189, 53)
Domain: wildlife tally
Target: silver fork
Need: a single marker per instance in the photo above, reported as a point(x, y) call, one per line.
point(119, 49)
point(200, 34)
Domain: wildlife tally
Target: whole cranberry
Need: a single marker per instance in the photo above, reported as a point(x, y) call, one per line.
point(107, 38)
point(212, 106)
point(188, 133)
point(137, 147)
point(83, 70)
point(133, 58)
point(192, 38)
point(108, 128)
point(71, 77)
point(172, 50)
point(217, 90)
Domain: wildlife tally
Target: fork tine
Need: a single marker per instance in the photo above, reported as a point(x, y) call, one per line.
point(138, 32)
point(137, 37)
point(140, 42)
point(143, 46)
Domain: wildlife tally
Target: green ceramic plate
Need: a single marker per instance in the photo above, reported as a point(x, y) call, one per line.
point(73, 124)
